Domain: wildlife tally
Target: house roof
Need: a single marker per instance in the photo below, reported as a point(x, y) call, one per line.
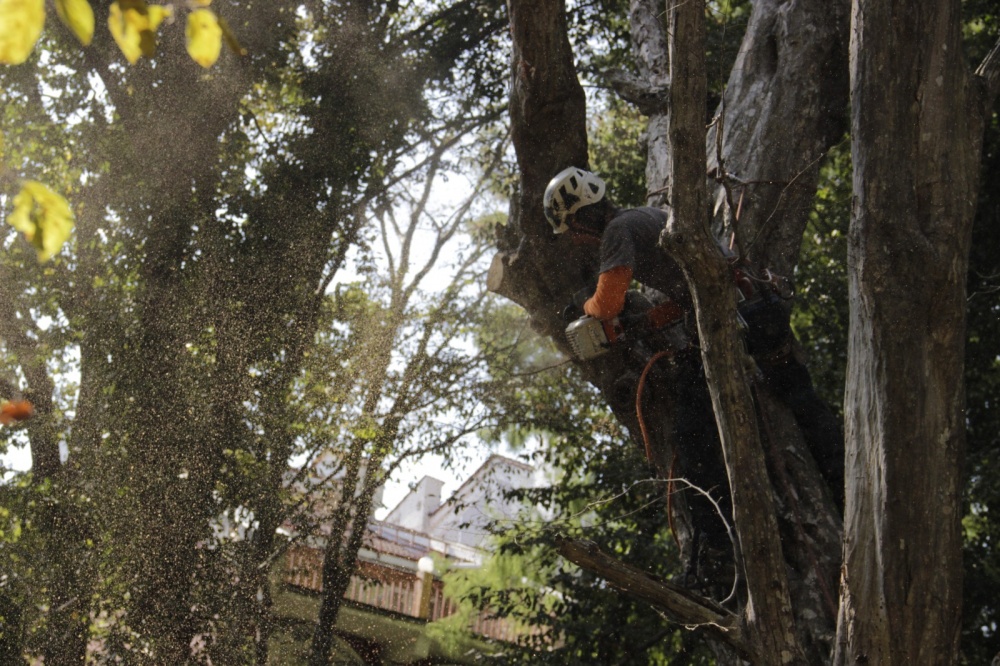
point(491, 462)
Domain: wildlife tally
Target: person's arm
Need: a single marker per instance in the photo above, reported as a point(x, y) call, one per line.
point(609, 298)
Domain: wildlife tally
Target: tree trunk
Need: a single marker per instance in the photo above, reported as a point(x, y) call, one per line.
point(784, 105)
point(916, 132)
point(809, 519)
point(350, 519)
point(769, 613)
point(339, 564)
point(779, 81)
point(917, 123)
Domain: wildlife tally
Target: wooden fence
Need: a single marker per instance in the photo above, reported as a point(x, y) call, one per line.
point(389, 589)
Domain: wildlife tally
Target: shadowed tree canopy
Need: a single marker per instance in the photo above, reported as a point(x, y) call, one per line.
point(213, 209)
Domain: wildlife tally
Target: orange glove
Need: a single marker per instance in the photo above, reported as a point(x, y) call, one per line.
point(609, 298)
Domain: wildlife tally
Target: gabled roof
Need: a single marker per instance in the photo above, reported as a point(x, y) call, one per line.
point(493, 461)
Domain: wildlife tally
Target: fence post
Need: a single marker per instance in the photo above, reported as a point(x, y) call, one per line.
point(423, 587)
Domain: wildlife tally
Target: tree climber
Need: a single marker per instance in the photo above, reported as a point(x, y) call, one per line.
point(575, 202)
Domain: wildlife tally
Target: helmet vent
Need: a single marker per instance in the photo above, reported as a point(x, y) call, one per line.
point(571, 189)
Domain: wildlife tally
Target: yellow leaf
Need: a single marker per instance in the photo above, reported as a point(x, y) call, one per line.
point(154, 17)
point(156, 14)
point(21, 24)
point(78, 17)
point(133, 24)
point(204, 37)
point(122, 25)
point(43, 217)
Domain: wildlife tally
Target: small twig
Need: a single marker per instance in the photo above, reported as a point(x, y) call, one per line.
point(777, 204)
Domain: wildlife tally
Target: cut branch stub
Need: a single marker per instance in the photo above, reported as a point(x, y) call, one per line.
point(649, 99)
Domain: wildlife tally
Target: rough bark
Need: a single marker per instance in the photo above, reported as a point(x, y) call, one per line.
point(687, 238)
point(917, 122)
point(548, 123)
point(916, 131)
point(785, 104)
point(548, 131)
point(651, 53)
point(810, 524)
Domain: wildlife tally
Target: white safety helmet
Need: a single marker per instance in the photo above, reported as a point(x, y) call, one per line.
point(569, 191)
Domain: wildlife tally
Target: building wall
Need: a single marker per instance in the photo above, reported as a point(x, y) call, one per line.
point(466, 516)
point(414, 510)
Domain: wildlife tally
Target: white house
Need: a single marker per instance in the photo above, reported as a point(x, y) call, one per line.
point(464, 517)
point(393, 579)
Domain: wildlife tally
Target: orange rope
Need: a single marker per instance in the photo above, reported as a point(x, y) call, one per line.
point(645, 441)
point(638, 401)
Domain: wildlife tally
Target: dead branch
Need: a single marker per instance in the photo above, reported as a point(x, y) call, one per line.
point(988, 73)
point(680, 604)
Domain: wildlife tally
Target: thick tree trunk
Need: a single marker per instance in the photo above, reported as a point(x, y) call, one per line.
point(773, 87)
point(916, 132)
point(548, 130)
point(785, 104)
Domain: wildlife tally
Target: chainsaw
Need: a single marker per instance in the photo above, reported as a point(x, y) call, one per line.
point(640, 320)
point(761, 318)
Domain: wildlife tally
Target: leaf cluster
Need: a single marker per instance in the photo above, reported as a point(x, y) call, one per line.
point(132, 23)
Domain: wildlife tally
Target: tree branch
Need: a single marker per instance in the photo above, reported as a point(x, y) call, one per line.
point(988, 74)
point(649, 99)
point(679, 604)
point(689, 241)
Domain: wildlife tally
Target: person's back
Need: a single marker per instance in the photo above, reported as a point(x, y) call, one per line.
point(631, 239)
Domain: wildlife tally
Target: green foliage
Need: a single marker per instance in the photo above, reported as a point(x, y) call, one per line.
point(616, 129)
point(599, 490)
point(599, 34)
point(619, 155)
point(981, 612)
point(820, 314)
point(175, 334)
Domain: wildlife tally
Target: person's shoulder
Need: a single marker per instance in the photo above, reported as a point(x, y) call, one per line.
point(628, 217)
point(640, 213)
